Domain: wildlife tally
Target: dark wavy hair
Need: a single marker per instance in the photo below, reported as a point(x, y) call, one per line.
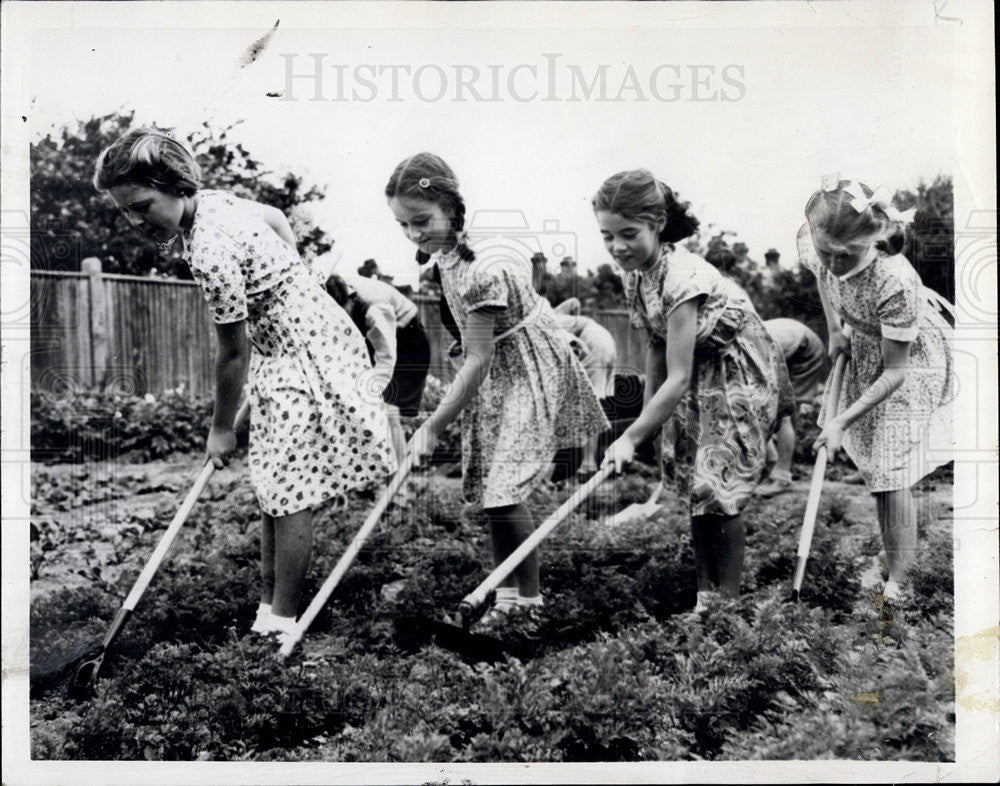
point(426, 176)
point(831, 213)
point(638, 196)
point(147, 157)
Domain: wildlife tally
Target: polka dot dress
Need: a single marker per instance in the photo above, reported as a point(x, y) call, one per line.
point(316, 430)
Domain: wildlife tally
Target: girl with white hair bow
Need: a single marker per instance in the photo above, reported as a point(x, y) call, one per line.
point(894, 414)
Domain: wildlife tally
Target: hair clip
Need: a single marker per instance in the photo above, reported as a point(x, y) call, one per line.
point(425, 183)
point(830, 182)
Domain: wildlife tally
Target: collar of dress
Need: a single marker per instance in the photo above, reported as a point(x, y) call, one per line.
point(862, 265)
point(649, 283)
point(446, 259)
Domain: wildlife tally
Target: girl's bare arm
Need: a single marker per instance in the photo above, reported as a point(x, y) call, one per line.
point(895, 360)
point(478, 357)
point(230, 372)
point(656, 368)
point(681, 332)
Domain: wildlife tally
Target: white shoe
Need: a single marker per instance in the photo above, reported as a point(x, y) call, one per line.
point(286, 637)
point(705, 598)
point(892, 591)
point(274, 624)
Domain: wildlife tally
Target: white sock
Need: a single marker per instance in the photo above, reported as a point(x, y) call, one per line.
point(530, 601)
point(280, 624)
point(506, 598)
point(261, 621)
point(891, 590)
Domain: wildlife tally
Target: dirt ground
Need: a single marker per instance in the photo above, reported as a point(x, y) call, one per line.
point(109, 515)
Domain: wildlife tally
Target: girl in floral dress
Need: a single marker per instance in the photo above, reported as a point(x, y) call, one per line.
point(521, 391)
point(894, 414)
point(312, 437)
point(715, 379)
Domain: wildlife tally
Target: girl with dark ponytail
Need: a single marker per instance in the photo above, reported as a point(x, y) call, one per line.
point(715, 380)
point(521, 391)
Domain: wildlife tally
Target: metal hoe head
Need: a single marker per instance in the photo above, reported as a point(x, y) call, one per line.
point(85, 678)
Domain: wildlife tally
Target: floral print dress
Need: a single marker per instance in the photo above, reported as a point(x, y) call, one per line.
point(314, 430)
point(537, 397)
point(909, 434)
point(715, 443)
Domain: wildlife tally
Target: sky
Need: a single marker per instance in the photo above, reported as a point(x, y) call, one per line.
point(741, 115)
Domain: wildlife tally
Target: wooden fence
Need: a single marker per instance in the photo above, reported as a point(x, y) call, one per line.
point(142, 335)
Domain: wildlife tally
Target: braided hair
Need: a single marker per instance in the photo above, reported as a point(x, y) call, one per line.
point(426, 176)
point(638, 196)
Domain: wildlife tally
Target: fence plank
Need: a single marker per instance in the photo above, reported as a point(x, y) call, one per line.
point(159, 334)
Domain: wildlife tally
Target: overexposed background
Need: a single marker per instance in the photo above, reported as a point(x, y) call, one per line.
point(871, 102)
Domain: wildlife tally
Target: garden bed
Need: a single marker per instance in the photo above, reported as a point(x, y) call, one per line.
point(619, 671)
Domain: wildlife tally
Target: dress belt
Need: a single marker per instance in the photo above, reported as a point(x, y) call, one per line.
point(536, 312)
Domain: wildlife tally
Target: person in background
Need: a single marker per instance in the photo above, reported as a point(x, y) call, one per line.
point(600, 355)
point(397, 344)
point(539, 273)
point(805, 357)
point(772, 267)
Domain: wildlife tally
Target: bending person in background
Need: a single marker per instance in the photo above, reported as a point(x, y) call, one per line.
point(805, 357)
point(600, 355)
point(397, 344)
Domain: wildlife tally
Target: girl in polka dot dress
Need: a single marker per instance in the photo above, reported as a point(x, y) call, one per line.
point(894, 416)
point(521, 391)
point(312, 436)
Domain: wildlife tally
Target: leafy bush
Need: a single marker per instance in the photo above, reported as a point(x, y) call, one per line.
point(618, 671)
point(99, 426)
point(71, 221)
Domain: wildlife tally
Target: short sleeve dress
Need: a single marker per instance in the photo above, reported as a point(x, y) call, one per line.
point(715, 443)
point(909, 434)
point(535, 400)
point(315, 431)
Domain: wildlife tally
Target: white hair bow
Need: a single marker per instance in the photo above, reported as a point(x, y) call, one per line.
point(882, 198)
